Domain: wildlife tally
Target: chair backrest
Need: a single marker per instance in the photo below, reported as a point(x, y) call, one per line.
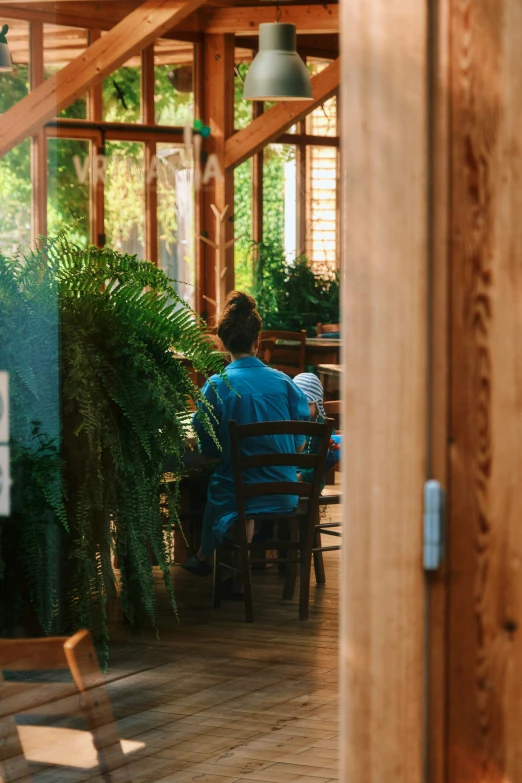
point(332, 408)
point(285, 351)
point(328, 329)
point(83, 693)
point(301, 489)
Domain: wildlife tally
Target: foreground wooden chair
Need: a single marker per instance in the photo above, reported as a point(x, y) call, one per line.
point(83, 695)
point(285, 351)
point(296, 530)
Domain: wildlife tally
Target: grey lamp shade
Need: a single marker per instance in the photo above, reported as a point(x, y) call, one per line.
point(5, 58)
point(277, 72)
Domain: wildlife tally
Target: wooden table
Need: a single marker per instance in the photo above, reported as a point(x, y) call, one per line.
point(321, 351)
point(330, 376)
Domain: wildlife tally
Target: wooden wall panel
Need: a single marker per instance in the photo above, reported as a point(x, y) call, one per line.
point(384, 215)
point(485, 698)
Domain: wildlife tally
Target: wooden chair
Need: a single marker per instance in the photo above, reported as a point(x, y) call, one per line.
point(332, 408)
point(296, 529)
point(328, 329)
point(330, 496)
point(285, 351)
point(82, 694)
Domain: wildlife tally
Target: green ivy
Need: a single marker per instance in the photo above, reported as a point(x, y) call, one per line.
point(98, 398)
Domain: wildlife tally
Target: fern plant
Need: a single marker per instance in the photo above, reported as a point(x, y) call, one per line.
point(98, 398)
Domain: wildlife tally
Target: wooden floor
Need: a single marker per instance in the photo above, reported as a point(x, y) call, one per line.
point(216, 700)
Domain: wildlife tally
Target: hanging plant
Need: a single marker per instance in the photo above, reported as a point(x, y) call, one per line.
point(98, 398)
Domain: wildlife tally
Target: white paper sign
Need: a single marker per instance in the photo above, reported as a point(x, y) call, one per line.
point(5, 483)
point(4, 407)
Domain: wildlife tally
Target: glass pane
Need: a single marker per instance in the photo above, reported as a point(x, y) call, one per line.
point(14, 85)
point(279, 195)
point(125, 197)
point(15, 199)
point(68, 184)
point(122, 95)
point(243, 226)
point(322, 121)
point(242, 108)
point(321, 194)
point(176, 220)
point(61, 45)
point(174, 82)
point(15, 167)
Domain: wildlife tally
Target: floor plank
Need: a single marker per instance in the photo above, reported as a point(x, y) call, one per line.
point(217, 700)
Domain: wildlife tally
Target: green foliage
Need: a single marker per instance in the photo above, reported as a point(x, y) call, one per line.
point(68, 198)
point(292, 294)
point(87, 336)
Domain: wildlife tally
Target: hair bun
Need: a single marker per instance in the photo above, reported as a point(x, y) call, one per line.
point(239, 323)
point(238, 300)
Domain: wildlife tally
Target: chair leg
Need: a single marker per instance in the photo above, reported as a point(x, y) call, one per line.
point(306, 567)
point(247, 581)
point(320, 576)
point(217, 579)
point(291, 568)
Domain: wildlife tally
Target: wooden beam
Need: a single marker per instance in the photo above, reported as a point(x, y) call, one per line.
point(245, 20)
point(240, 20)
point(279, 118)
point(132, 34)
point(151, 193)
point(384, 177)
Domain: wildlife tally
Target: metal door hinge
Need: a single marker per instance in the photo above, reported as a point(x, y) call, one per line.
point(434, 507)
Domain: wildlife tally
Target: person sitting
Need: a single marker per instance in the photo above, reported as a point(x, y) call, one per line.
point(312, 389)
point(250, 392)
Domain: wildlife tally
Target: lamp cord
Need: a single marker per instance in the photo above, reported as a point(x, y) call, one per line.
point(279, 13)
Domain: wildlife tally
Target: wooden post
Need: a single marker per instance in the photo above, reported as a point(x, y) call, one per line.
point(97, 192)
point(39, 141)
point(218, 113)
point(384, 158)
point(151, 191)
point(301, 169)
point(221, 246)
point(257, 183)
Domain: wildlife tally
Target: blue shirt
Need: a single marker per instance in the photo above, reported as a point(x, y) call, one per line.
point(254, 393)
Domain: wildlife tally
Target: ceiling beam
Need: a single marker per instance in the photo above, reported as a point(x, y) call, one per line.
point(245, 20)
point(325, 47)
point(270, 125)
point(134, 33)
point(240, 20)
point(88, 15)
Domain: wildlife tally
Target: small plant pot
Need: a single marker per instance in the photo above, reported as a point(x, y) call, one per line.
point(5, 58)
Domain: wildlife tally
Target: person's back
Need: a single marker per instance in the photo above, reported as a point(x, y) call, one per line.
point(251, 393)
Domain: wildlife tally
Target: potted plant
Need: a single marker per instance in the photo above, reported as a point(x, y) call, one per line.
point(98, 397)
point(291, 293)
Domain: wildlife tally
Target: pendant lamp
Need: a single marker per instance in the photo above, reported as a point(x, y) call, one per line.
point(5, 55)
point(277, 72)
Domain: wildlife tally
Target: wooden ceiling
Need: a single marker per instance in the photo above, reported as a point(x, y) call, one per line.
point(67, 24)
point(213, 17)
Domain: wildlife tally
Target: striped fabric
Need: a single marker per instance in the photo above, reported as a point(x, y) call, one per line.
point(312, 389)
